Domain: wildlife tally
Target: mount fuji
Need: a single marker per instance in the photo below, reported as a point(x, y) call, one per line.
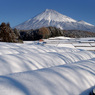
point(52, 18)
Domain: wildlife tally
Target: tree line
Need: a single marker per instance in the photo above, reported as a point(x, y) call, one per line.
point(7, 34)
point(47, 32)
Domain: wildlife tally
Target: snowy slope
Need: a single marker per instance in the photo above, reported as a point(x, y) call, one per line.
point(52, 15)
point(35, 69)
point(73, 79)
point(52, 18)
point(23, 57)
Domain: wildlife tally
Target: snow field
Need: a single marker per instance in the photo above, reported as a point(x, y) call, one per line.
point(35, 69)
point(24, 57)
point(69, 79)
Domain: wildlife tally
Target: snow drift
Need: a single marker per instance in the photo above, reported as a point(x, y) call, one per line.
point(71, 79)
point(23, 57)
point(35, 69)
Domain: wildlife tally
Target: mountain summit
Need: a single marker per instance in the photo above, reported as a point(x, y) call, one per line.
point(52, 18)
point(51, 15)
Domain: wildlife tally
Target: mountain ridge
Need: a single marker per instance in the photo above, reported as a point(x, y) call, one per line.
point(52, 18)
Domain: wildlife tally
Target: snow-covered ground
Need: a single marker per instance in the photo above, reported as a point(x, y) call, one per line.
point(37, 69)
point(78, 43)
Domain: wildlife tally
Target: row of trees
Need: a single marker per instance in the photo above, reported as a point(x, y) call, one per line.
point(42, 33)
point(7, 34)
point(47, 32)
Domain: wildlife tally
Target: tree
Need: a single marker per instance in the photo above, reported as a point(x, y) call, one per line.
point(44, 32)
point(6, 33)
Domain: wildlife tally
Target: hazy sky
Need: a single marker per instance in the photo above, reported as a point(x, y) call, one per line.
point(18, 11)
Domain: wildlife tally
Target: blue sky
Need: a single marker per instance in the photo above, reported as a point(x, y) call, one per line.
point(18, 11)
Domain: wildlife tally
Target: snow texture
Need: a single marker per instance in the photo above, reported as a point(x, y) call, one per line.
point(36, 69)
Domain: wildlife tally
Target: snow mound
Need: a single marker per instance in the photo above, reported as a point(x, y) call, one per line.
point(23, 57)
point(35, 69)
point(72, 79)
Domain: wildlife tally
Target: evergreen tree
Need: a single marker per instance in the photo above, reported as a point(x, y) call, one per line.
point(7, 34)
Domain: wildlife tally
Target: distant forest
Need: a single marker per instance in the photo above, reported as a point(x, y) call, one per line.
point(7, 34)
point(47, 32)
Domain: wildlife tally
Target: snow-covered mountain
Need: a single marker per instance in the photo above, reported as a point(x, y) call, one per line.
point(53, 18)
